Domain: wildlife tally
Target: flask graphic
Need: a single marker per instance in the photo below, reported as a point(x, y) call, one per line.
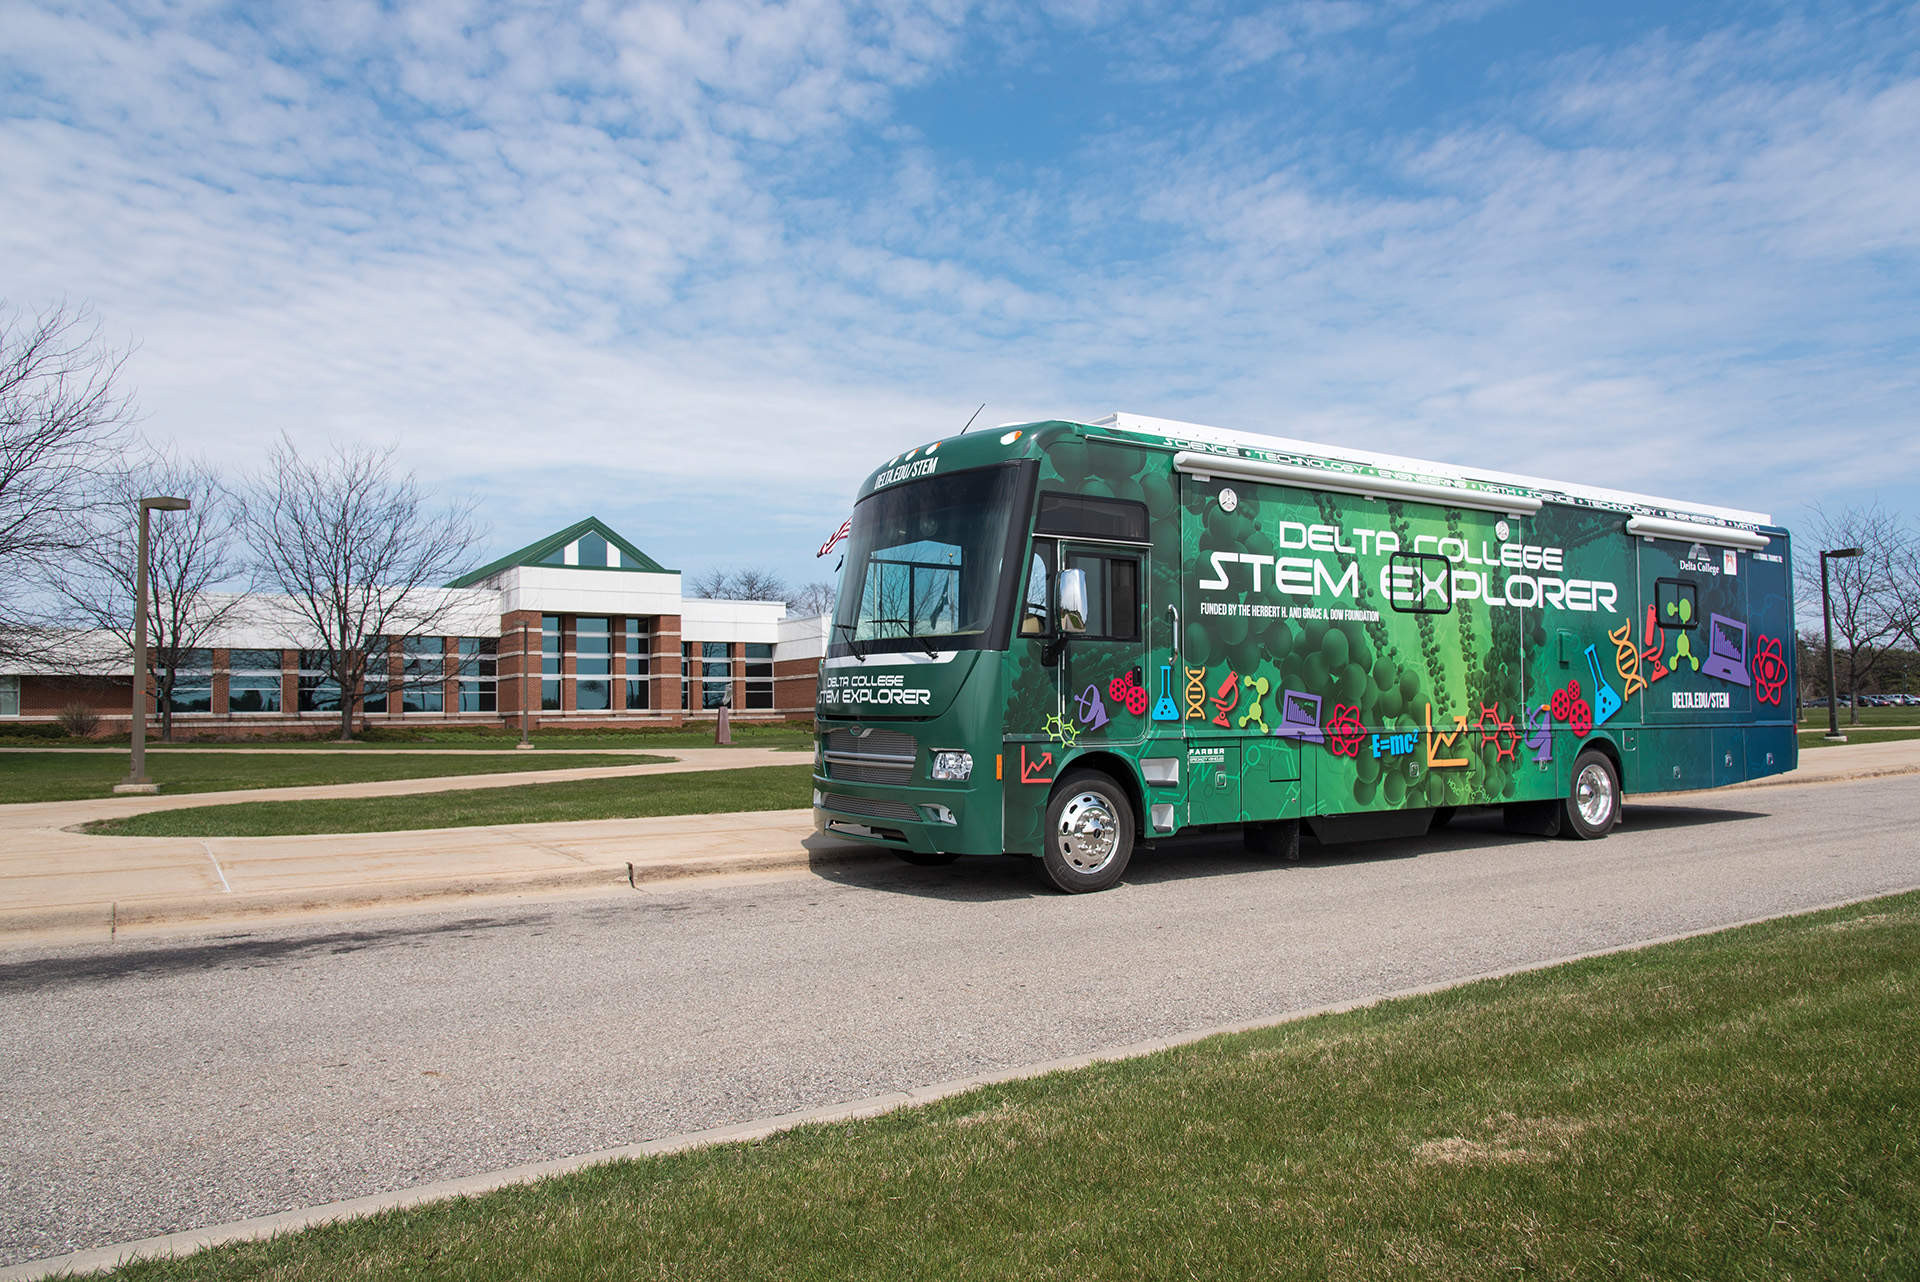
point(1164, 708)
point(1606, 701)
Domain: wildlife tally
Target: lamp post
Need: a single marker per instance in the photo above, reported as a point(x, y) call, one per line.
point(1826, 609)
point(136, 780)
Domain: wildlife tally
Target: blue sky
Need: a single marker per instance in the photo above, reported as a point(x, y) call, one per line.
point(696, 268)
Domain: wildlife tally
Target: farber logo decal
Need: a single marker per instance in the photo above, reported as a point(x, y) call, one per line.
point(879, 688)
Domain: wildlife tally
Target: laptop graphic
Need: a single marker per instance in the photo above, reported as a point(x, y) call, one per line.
point(1300, 717)
point(1726, 650)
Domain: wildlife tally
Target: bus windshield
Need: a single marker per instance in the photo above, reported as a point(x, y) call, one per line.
point(924, 564)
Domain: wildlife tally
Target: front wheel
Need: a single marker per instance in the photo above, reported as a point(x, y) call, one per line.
point(1594, 806)
point(1088, 837)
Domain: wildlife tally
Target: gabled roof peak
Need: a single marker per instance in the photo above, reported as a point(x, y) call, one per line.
point(591, 544)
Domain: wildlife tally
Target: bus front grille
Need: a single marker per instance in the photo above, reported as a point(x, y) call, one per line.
point(839, 767)
point(874, 743)
point(873, 807)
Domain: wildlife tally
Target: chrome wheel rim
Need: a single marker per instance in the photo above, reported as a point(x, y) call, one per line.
point(1593, 795)
point(1089, 832)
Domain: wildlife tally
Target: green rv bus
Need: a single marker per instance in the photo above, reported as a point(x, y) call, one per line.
point(1059, 639)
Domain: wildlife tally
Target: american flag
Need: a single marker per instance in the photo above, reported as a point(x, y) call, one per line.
point(846, 528)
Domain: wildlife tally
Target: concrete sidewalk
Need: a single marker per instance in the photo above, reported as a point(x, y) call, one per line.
point(56, 882)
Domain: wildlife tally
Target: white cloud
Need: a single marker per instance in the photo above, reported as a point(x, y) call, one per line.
point(688, 249)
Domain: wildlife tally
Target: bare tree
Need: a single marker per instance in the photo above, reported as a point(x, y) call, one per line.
point(358, 553)
point(1867, 613)
point(713, 585)
point(751, 584)
point(189, 554)
point(812, 598)
point(63, 419)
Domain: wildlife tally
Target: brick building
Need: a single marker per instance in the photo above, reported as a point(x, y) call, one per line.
point(579, 628)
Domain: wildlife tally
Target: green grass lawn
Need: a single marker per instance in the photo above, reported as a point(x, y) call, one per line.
point(798, 736)
point(1813, 737)
point(697, 792)
point(1740, 1106)
point(71, 776)
point(1817, 717)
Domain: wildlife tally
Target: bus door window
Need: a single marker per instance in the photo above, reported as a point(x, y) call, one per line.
point(1036, 619)
point(1102, 668)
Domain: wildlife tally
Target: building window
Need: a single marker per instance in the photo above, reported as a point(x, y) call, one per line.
point(759, 675)
point(637, 640)
point(318, 691)
point(592, 551)
point(192, 682)
point(253, 681)
point(423, 674)
point(716, 674)
point(592, 664)
point(479, 674)
point(9, 696)
point(550, 663)
point(373, 685)
point(686, 666)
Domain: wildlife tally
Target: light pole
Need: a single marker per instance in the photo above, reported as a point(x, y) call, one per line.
point(1826, 610)
point(136, 780)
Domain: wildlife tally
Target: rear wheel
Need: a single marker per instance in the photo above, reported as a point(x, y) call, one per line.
point(1593, 808)
point(1088, 837)
point(1279, 839)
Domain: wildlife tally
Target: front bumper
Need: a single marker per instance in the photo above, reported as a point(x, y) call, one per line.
point(939, 820)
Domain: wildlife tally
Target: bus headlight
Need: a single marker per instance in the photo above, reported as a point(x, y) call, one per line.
point(955, 767)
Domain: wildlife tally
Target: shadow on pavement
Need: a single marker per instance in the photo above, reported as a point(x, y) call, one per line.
point(985, 878)
point(230, 952)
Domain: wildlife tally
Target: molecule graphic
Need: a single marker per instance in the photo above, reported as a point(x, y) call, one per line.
point(1498, 731)
point(1683, 648)
point(1254, 713)
point(1062, 731)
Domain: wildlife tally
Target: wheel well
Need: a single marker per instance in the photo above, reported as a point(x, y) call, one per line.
point(1116, 769)
point(1607, 748)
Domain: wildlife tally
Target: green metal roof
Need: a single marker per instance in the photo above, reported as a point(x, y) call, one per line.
point(546, 553)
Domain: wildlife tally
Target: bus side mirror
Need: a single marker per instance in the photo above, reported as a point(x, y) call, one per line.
point(1073, 602)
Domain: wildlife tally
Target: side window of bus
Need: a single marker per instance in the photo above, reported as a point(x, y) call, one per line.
point(1034, 611)
point(1113, 594)
point(1419, 583)
point(1089, 517)
point(1676, 603)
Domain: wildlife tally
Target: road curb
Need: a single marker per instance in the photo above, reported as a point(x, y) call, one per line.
point(99, 1259)
point(108, 919)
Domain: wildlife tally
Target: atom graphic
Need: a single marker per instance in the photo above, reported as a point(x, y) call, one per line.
point(1345, 730)
point(1769, 669)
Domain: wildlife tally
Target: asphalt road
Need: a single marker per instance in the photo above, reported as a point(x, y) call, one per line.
point(158, 1085)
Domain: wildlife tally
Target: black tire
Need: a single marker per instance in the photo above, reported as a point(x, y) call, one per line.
point(1593, 808)
point(1088, 835)
point(1279, 839)
point(924, 859)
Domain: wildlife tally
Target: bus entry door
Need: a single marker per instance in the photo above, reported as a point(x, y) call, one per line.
point(1108, 694)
